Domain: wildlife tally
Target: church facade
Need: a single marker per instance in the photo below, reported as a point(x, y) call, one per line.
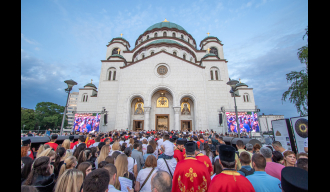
point(164, 83)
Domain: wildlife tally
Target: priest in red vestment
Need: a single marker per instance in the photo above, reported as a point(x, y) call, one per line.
point(190, 174)
point(204, 159)
point(52, 143)
point(91, 141)
point(27, 142)
point(229, 179)
point(72, 144)
point(178, 152)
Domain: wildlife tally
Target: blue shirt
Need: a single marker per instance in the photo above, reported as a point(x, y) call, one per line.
point(261, 181)
point(247, 167)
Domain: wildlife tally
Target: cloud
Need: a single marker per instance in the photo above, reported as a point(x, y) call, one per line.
point(32, 42)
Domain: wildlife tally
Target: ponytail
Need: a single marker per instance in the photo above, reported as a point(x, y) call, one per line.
point(68, 162)
point(41, 149)
point(60, 152)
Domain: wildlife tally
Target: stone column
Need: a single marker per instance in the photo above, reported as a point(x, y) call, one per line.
point(177, 118)
point(146, 118)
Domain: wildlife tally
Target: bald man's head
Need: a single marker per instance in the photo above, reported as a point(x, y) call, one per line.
point(161, 181)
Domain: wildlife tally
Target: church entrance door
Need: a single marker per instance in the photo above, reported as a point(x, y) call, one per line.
point(162, 122)
point(138, 125)
point(186, 125)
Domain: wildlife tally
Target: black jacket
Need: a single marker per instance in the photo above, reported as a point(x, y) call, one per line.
point(44, 183)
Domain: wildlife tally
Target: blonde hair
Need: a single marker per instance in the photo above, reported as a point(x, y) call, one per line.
point(68, 164)
point(70, 181)
point(121, 164)
point(67, 154)
point(103, 153)
point(48, 152)
point(115, 146)
point(131, 141)
point(66, 144)
point(41, 149)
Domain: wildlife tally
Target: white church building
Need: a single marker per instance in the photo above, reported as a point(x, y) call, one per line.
point(164, 83)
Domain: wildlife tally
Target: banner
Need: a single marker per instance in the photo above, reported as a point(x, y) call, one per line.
point(248, 122)
point(281, 133)
point(86, 122)
point(300, 130)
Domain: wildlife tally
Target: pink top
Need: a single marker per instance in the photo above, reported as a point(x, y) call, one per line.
point(274, 169)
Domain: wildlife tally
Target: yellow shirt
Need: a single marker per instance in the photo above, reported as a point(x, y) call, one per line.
point(239, 165)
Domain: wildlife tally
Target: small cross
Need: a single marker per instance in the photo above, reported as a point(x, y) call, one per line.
point(121, 34)
point(208, 33)
point(165, 20)
point(91, 80)
point(208, 50)
point(239, 80)
point(118, 51)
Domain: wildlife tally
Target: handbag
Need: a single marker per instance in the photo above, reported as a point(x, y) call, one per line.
point(147, 178)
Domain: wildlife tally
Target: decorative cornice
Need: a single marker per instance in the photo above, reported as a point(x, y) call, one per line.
point(167, 37)
point(164, 44)
point(120, 38)
point(218, 41)
point(132, 63)
point(119, 43)
point(122, 59)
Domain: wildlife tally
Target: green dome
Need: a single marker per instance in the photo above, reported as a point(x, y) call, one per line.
point(165, 24)
point(209, 54)
point(241, 84)
point(209, 37)
point(164, 41)
point(118, 38)
point(90, 85)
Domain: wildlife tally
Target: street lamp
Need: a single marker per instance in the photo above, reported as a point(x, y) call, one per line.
point(70, 83)
point(234, 84)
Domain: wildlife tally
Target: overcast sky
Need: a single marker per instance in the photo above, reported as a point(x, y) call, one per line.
point(62, 39)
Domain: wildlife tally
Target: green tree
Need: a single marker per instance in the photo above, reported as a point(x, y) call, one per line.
point(27, 119)
point(298, 91)
point(49, 115)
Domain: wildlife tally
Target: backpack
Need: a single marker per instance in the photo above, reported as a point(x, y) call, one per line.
point(200, 145)
point(247, 172)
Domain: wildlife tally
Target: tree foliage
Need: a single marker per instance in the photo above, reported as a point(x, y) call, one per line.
point(27, 119)
point(49, 115)
point(298, 91)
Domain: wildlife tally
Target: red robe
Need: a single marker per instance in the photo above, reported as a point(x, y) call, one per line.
point(126, 136)
point(230, 180)
point(72, 145)
point(52, 145)
point(206, 160)
point(90, 142)
point(178, 155)
point(184, 152)
point(190, 175)
point(31, 155)
point(102, 140)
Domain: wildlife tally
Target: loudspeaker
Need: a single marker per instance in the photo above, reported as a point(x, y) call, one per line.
point(220, 118)
point(105, 119)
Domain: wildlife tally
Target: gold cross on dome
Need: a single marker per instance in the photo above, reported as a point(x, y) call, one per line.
point(165, 20)
point(208, 33)
point(239, 80)
point(121, 34)
point(208, 50)
point(118, 51)
point(91, 80)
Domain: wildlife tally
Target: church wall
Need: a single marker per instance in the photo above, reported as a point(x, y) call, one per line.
point(245, 105)
point(91, 103)
point(112, 46)
point(141, 78)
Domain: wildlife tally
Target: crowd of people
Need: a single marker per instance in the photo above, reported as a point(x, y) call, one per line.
point(160, 162)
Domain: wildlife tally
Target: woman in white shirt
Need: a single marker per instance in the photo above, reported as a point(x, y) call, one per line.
point(150, 167)
point(132, 163)
point(144, 146)
point(115, 147)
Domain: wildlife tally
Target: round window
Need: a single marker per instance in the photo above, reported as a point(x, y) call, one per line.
point(162, 70)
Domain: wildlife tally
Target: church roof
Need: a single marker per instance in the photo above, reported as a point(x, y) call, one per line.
point(241, 84)
point(164, 41)
point(165, 24)
point(90, 85)
point(118, 38)
point(210, 37)
point(116, 55)
point(209, 54)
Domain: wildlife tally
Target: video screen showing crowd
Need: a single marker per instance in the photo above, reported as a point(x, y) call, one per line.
point(86, 122)
point(248, 122)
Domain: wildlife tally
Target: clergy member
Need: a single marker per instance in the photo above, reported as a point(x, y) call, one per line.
point(52, 143)
point(229, 179)
point(191, 174)
point(178, 153)
point(204, 159)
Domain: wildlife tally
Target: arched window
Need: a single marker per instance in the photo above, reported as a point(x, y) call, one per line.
point(173, 34)
point(115, 51)
point(147, 37)
point(152, 53)
point(111, 75)
point(188, 40)
point(190, 59)
point(215, 70)
point(246, 97)
point(142, 56)
point(155, 35)
point(214, 51)
point(164, 34)
point(84, 97)
point(174, 53)
point(181, 36)
point(184, 56)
